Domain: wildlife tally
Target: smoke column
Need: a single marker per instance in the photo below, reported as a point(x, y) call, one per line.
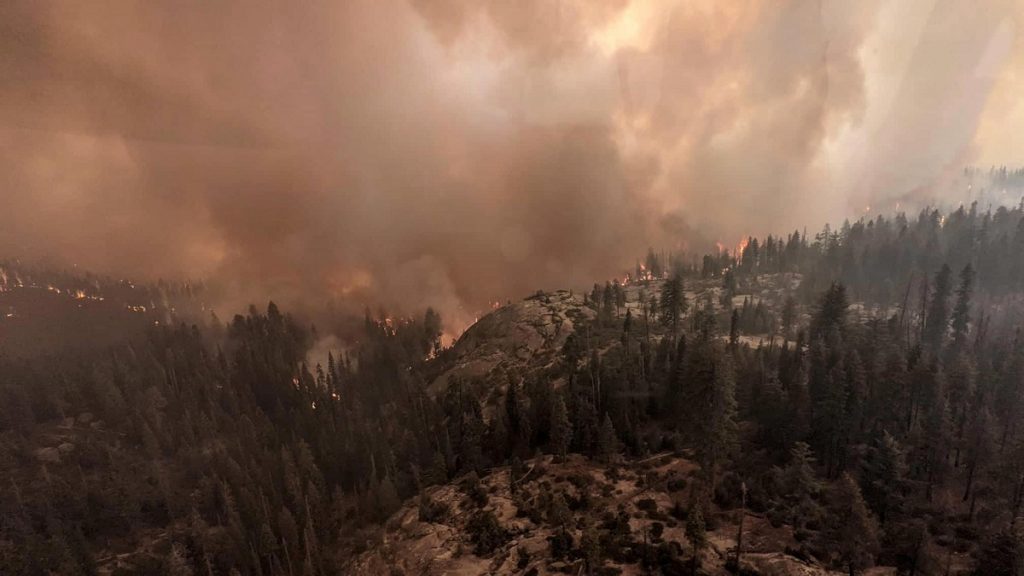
point(453, 153)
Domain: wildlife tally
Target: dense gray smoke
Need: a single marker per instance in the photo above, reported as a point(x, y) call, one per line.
point(450, 152)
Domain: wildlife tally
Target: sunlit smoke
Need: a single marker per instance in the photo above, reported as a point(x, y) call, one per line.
point(452, 153)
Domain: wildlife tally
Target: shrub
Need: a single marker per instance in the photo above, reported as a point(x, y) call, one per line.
point(431, 510)
point(471, 487)
point(647, 505)
point(676, 485)
point(581, 480)
point(485, 533)
point(657, 529)
point(522, 558)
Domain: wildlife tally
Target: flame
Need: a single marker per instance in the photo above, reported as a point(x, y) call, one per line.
point(742, 246)
point(720, 247)
point(645, 274)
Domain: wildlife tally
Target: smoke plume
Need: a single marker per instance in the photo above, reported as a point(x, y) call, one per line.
point(452, 153)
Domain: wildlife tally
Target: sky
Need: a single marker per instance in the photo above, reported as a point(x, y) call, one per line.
point(405, 153)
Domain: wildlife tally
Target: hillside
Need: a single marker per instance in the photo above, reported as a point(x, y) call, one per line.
point(855, 426)
point(638, 509)
point(44, 310)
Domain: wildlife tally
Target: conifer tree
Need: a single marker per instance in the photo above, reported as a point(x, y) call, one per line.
point(936, 322)
point(734, 328)
point(673, 301)
point(590, 547)
point(852, 533)
point(561, 427)
point(607, 441)
point(696, 534)
point(962, 307)
point(788, 316)
point(884, 475)
point(802, 486)
point(711, 405)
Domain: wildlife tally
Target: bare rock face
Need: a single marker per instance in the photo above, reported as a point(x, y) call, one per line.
point(637, 506)
point(526, 335)
point(779, 564)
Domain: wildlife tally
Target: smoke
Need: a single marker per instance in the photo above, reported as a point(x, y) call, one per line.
point(453, 153)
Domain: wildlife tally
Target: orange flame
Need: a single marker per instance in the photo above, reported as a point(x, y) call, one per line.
point(742, 246)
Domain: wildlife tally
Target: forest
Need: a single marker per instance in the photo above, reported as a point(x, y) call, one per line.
point(875, 408)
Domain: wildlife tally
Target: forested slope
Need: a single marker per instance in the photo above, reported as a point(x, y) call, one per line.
point(864, 387)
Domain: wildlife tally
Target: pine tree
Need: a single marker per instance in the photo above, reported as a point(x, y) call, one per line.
point(734, 328)
point(831, 313)
point(936, 442)
point(852, 532)
point(607, 302)
point(590, 547)
point(884, 476)
point(937, 320)
point(289, 531)
point(711, 405)
point(673, 301)
point(962, 308)
point(696, 533)
point(729, 288)
point(437, 472)
point(387, 497)
point(607, 441)
point(802, 487)
point(561, 427)
point(558, 513)
point(788, 317)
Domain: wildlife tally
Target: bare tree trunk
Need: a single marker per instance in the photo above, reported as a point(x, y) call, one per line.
point(739, 534)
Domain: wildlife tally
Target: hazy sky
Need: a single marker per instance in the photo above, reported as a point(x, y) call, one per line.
point(455, 152)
